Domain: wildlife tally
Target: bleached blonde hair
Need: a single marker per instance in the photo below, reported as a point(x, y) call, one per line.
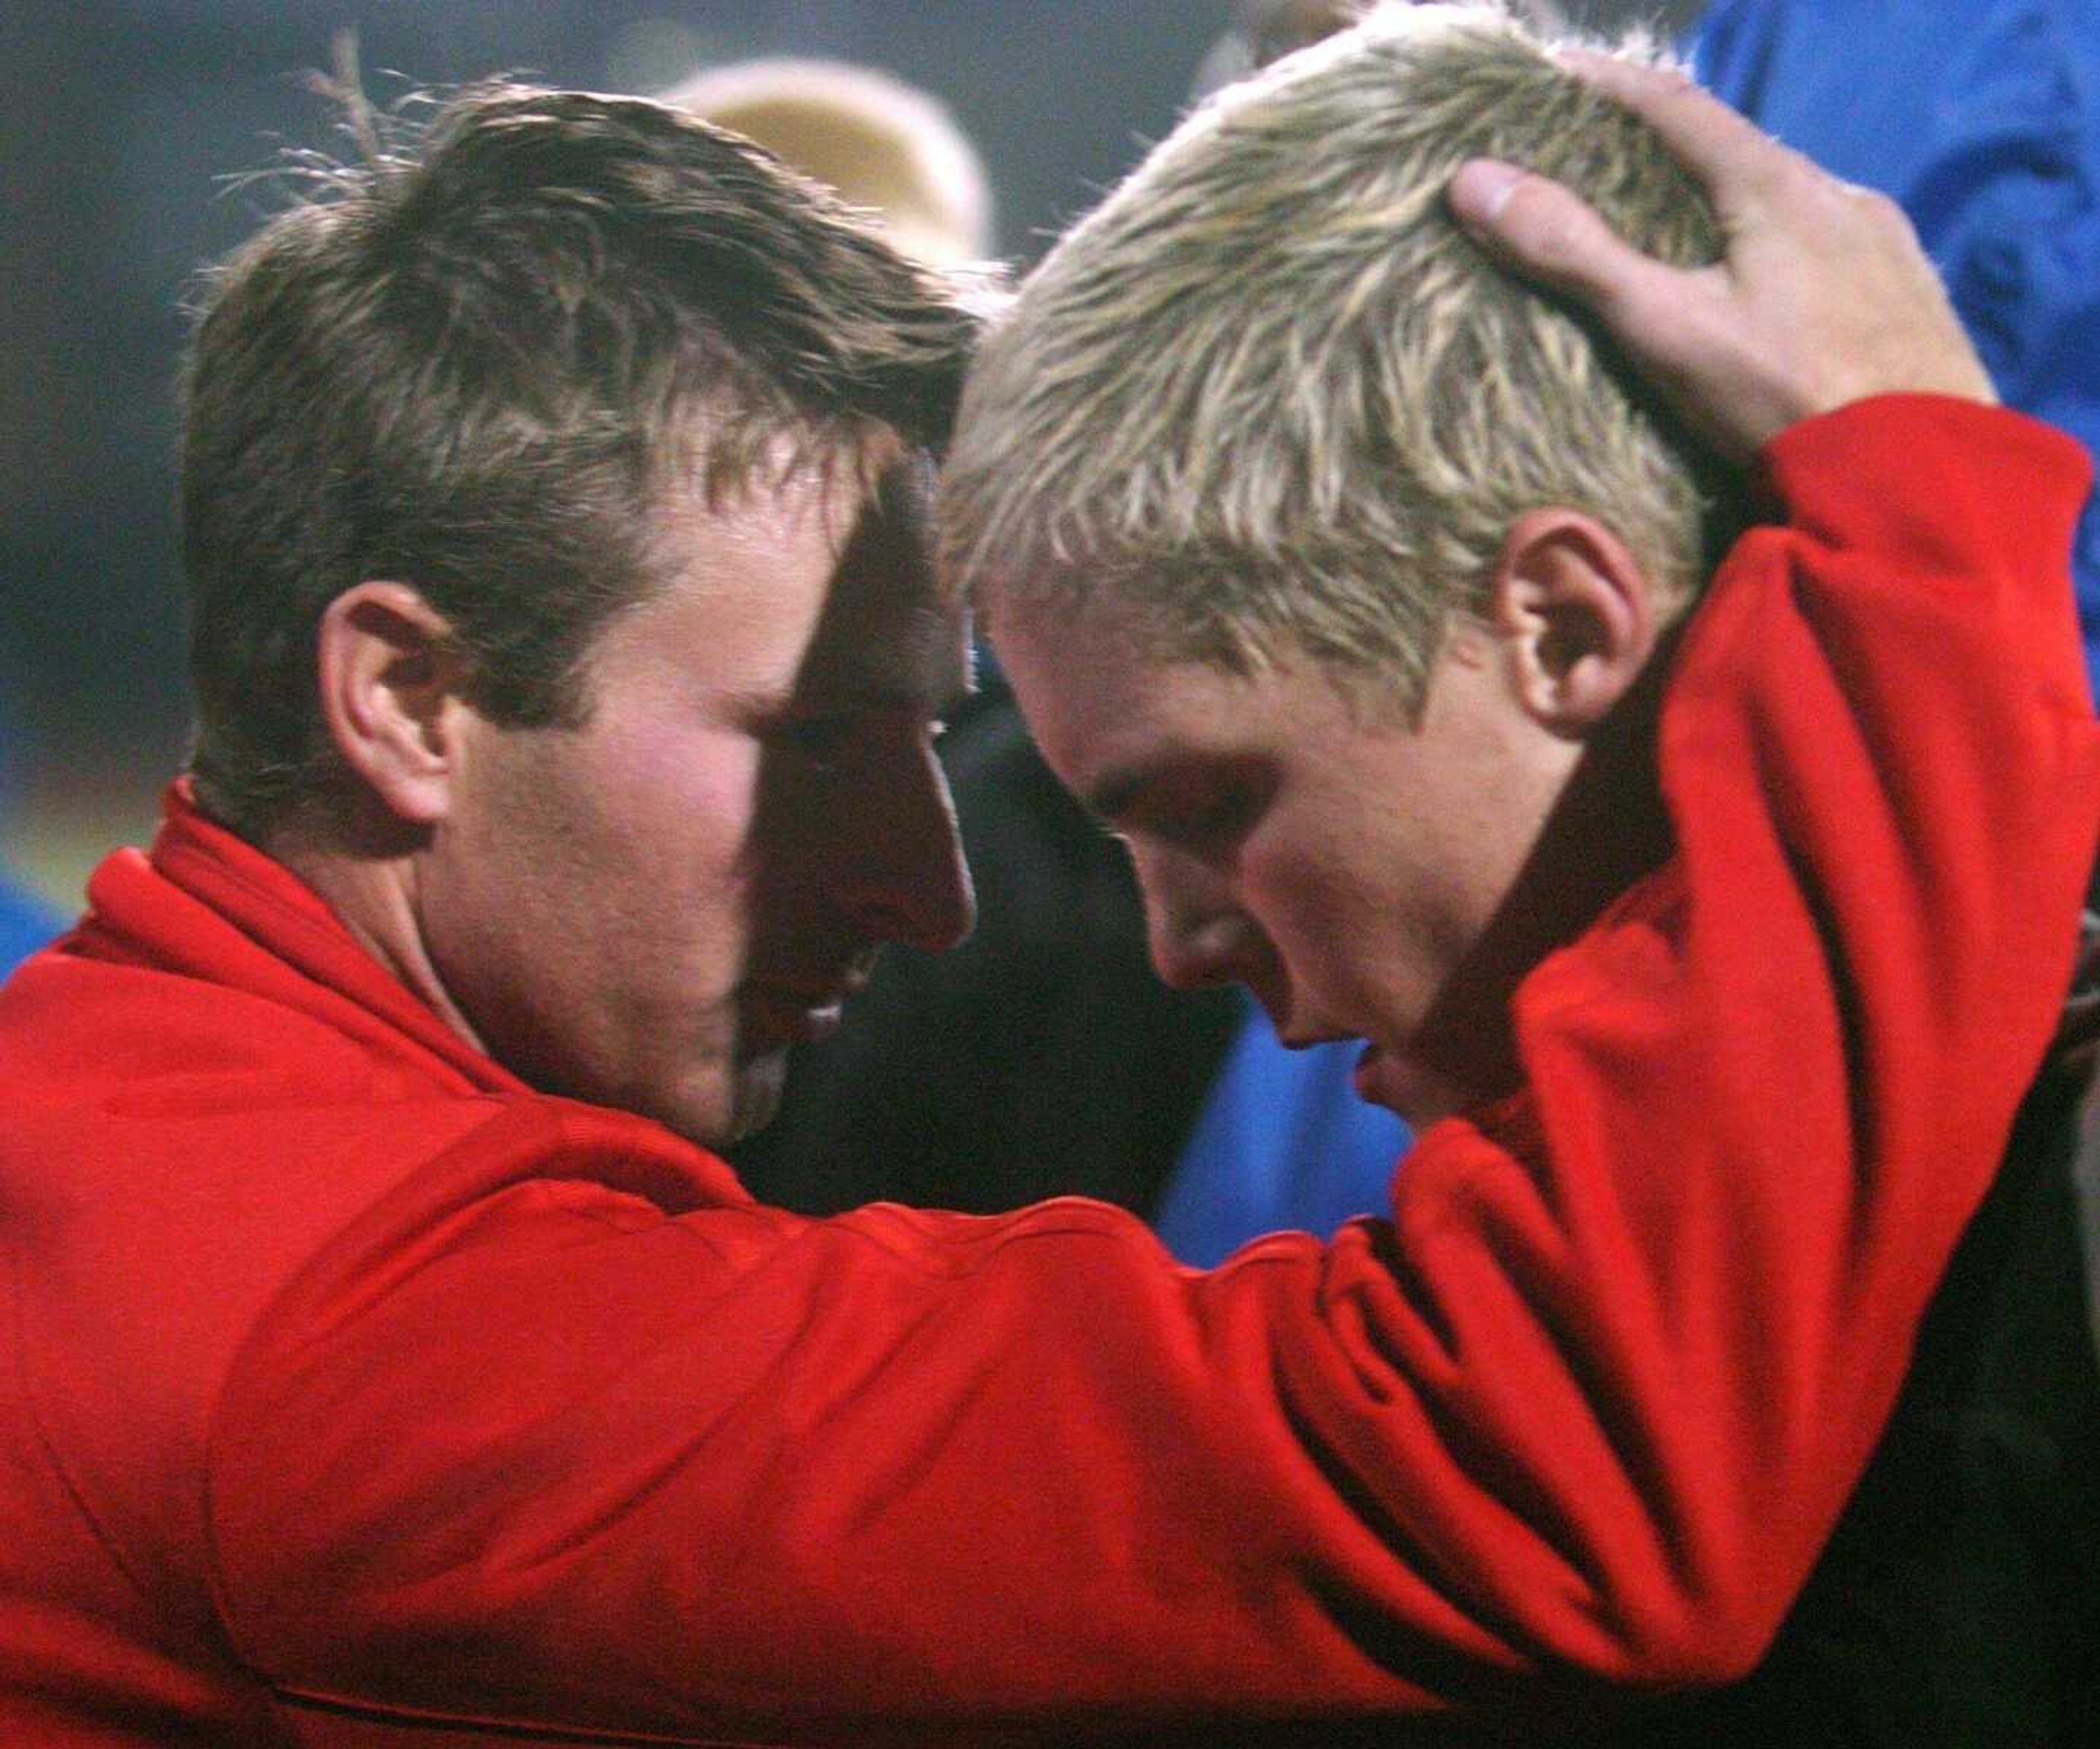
point(1270, 394)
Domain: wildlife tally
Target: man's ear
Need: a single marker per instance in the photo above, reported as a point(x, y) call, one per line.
point(1574, 616)
point(391, 678)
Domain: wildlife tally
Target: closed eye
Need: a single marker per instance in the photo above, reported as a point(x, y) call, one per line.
point(1204, 811)
point(1211, 826)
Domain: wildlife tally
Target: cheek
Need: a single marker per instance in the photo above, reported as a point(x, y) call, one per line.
point(674, 808)
point(1357, 924)
point(1307, 906)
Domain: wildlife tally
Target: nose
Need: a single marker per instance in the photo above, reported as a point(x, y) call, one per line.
point(907, 880)
point(1198, 936)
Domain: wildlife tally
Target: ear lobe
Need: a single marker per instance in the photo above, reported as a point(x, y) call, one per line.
point(1575, 615)
point(391, 678)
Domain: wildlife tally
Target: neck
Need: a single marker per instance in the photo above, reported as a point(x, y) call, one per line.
point(374, 888)
point(1607, 830)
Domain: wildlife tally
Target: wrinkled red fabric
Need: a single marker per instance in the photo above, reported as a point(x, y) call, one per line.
point(359, 1394)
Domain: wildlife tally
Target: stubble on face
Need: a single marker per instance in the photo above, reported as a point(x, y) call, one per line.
point(594, 892)
point(647, 909)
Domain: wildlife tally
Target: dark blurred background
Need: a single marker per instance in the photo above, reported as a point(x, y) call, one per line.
point(124, 125)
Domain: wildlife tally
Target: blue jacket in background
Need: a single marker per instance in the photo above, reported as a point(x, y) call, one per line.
point(1983, 120)
point(26, 924)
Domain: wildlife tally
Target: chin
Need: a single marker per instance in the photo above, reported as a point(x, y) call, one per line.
point(1416, 1092)
point(710, 1108)
point(749, 1100)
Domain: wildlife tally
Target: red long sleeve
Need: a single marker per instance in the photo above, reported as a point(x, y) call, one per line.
point(527, 1417)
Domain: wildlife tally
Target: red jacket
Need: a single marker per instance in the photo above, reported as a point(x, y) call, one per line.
point(355, 1387)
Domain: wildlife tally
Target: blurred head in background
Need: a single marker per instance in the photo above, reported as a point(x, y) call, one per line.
point(884, 146)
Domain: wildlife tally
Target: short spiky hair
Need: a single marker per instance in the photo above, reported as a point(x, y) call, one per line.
point(1272, 396)
point(477, 361)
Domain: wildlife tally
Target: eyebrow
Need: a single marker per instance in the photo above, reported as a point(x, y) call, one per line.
point(1123, 790)
point(1111, 795)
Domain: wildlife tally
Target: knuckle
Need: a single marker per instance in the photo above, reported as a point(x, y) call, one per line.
point(1879, 209)
point(1791, 175)
point(1558, 234)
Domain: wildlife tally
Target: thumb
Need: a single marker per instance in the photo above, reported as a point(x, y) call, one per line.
point(1548, 235)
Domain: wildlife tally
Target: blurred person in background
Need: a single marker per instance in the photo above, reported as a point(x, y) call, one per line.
point(394, 1357)
point(887, 148)
point(1983, 120)
point(27, 922)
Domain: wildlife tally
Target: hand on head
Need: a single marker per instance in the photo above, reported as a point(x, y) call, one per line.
point(1824, 296)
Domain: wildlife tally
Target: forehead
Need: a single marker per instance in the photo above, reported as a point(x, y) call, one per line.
point(819, 580)
point(1110, 705)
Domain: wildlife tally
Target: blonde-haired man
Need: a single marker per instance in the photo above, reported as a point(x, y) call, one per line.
point(1272, 358)
point(1346, 578)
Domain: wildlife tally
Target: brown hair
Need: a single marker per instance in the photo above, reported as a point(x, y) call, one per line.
point(474, 365)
